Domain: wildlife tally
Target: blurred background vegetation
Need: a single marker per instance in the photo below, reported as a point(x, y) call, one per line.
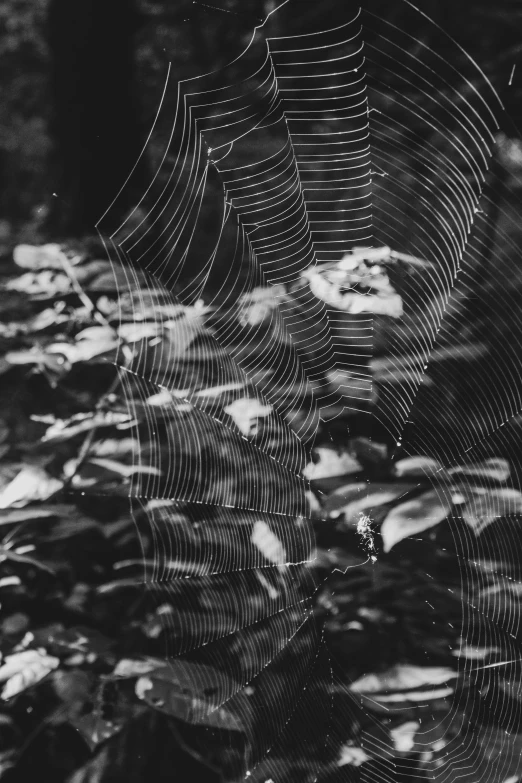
point(81, 83)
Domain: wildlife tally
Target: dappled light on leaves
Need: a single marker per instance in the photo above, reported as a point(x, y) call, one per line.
point(292, 510)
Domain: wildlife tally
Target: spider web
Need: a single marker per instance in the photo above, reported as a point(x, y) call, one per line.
point(357, 135)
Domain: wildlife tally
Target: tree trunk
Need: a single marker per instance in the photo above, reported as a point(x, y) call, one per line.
point(95, 125)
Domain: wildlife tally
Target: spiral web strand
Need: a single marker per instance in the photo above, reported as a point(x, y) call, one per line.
point(345, 137)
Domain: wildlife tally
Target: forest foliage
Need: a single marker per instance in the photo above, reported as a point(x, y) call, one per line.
point(83, 642)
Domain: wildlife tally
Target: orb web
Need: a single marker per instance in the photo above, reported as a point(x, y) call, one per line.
point(358, 135)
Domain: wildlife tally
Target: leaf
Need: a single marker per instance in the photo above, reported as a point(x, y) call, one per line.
point(268, 543)
point(401, 677)
point(352, 499)
point(84, 350)
point(182, 331)
point(352, 755)
point(403, 736)
point(245, 413)
point(134, 332)
point(24, 669)
point(65, 429)
point(42, 257)
point(42, 358)
point(113, 447)
point(19, 556)
point(330, 463)
point(258, 305)
point(129, 667)
point(125, 470)
point(46, 284)
point(413, 517)
point(63, 641)
point(32, 483)
point(15, 517)
point(163, 397)
point(484, 506)
point(94, 729)
point(195, 694)
point(15, 624)
point(417, 467)
point(496, 469)
point(72, 686)
point(368, 451)
point(216, 391)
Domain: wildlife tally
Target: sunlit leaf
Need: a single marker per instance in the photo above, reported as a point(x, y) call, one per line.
point(45, 284)
point(216, 391)
point(48, 256)
point(419, 466)
point(64, 429)
point(268, 543)
point(23, 669)
point(181, 332)
point(33, 512)
point(495, 469)
point(114, 447)
point(352, 499)
point(134, 332)
point(32, 483)
point(245, 412)
point(484, 506)
point(403, 677)
point(331, 463)
point(414, 516)
point(124, 470)
point(352, 755)
point(403, 736)
point(129, 667)
point(258, 305)
point(84, 350)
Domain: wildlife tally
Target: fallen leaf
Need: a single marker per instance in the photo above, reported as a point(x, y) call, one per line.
point(413, 517)
point(32, 483)
point(23, 669)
